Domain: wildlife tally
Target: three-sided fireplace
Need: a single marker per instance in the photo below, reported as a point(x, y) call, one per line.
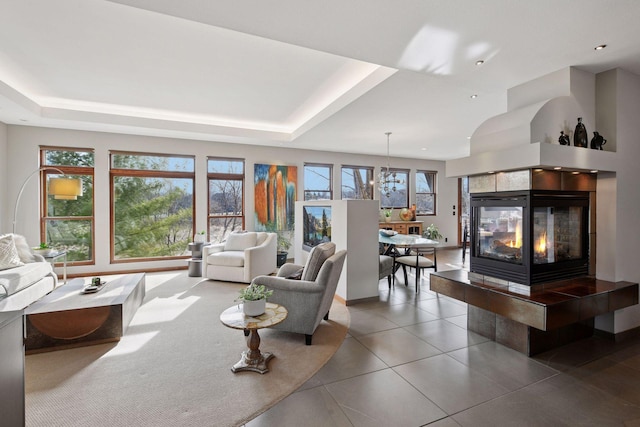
point(530, 237)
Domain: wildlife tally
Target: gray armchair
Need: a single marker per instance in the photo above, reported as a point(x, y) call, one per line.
point(308, 299)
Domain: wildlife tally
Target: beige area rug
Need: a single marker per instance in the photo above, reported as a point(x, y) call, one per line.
point(172, 367)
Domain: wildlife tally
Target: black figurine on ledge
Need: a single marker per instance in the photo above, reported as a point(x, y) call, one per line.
point(564, 139)
point(597, 141)
point(580, 137)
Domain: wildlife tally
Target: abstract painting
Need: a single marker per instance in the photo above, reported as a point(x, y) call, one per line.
point(275, 196)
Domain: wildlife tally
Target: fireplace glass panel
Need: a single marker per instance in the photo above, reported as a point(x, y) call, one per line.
point(557, 234)
point(500, 233)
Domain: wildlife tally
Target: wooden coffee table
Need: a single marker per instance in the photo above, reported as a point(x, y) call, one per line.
point(68, 318)
point(252, 359)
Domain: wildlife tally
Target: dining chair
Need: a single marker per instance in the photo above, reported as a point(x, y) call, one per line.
point(417, 259)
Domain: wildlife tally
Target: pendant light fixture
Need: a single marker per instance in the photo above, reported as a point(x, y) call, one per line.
point(388, 180)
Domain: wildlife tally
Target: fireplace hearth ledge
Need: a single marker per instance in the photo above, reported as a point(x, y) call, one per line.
point(551, 315)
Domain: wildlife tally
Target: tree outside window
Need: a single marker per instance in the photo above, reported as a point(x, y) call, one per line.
point(153, 200)
point(425, 192)
point(357, 182)
point(398, 196)
point(68, 225)
point(226, 195)
point(317, 182)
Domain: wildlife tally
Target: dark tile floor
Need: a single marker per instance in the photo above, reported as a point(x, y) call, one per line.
point(409, 361)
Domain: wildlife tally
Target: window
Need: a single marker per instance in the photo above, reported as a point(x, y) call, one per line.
point(152, 205)
point(226, 194)
point(397, 195)
point(68, 224)
point(357, 182)
point(425, 193)
point(317, 182)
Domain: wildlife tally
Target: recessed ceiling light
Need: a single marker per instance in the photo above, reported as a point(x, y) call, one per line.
point(479, 62)
point(575, 173)
point(557, 168)
point(424, 148)
point(537, 170)
point(473, 96)
point(468, 137)
point(594, 171)
point(600, 47)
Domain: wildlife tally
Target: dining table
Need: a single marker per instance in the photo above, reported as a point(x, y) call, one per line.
point(401, 245)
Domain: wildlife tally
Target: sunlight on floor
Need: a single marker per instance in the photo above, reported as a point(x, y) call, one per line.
point(130, 343)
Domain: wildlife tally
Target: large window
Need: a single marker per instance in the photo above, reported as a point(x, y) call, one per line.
point(357, 182)
point(425, 193)
point(152, 205)
point(68, 224)
point(226, 195)
point(395, 194)
point(317, 182)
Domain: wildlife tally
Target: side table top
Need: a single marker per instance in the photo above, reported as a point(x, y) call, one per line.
point(234, 317)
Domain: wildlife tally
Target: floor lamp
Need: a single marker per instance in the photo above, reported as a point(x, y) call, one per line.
point(59, 188)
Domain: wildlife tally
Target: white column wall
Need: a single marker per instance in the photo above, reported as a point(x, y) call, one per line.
point(4, 205)
point(23, 142)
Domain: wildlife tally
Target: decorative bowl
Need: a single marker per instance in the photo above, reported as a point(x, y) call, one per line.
point(406, 214)
point(388, 233)
point(44, 252)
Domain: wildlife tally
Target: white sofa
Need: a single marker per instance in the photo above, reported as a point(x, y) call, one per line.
point(25, 277)
point(243, 256)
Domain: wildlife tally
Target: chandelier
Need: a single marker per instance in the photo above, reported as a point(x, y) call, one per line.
point(388, 180)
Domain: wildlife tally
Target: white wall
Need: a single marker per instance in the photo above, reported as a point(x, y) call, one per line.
point(628, 200)
point(4, 206)
point(23, 143)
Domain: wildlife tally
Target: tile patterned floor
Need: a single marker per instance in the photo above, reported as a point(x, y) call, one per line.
point(409, 361)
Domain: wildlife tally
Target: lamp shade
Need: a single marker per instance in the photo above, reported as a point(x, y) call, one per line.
point(65, 188)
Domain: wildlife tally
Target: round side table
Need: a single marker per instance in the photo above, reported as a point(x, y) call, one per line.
point(252, 359)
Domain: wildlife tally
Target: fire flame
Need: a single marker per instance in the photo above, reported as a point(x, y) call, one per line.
point(541, 244)
point(518, 242)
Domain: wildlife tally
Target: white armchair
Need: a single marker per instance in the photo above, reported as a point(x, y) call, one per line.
point(243, 256)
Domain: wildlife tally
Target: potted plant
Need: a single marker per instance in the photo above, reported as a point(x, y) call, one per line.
point(283, 248)
point(200, 237)
point(254, 299)
point(387, 214)
point(43, 249)
point(432, 233)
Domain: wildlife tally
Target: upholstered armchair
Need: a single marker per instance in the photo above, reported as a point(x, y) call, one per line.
point(243, 256)
point(306, 292)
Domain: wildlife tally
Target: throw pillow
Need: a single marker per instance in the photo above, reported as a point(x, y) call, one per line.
point(297, 275)
point(9, 257)
point(240, 241)
point(317, 257)
point(24, 251)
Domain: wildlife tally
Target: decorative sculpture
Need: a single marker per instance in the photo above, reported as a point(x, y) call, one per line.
point(597, 141)
point(564, 139)
point(580, 137)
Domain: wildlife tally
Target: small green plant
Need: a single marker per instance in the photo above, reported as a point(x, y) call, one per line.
point(432, 233)
point(254, 292)
point(387, 212)
point(44, 245)
point(283, 240)
point(202, 232)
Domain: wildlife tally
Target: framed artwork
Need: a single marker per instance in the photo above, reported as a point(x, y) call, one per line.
point(275, 196)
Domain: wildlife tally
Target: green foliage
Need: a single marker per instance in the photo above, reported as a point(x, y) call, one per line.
point(44, 245)
point(254, 292)
point(432, 233)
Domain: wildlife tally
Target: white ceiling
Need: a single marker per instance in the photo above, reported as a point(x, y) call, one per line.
point(332, 75)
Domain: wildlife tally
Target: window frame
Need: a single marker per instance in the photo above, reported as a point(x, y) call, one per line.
point(145, 173)
point(306, 190)
point(407, 173)
point(433, 192)
point(369, 183)
point(44, 199)
point(229, 177)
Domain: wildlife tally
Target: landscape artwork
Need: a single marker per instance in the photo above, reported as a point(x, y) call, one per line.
point(275, 196)
point(316, 225)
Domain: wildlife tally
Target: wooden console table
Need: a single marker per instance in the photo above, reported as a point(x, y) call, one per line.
point(403, 227)
point(559, 313)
